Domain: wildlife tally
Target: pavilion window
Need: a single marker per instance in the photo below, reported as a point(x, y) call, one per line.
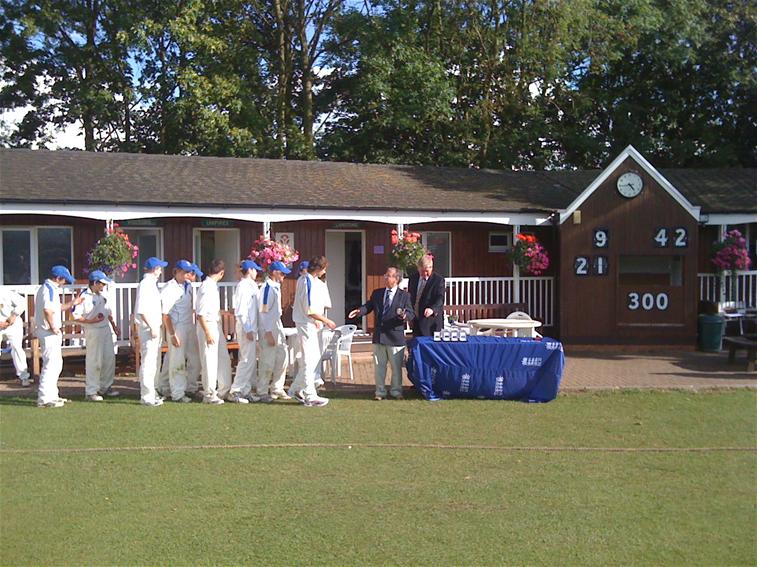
point(28, 253)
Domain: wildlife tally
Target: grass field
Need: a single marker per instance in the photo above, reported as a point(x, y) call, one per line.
point(589, 479)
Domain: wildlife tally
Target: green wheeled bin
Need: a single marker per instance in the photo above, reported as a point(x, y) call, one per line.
point(711, 328)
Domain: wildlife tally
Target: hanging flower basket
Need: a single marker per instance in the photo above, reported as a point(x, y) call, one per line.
point(530, 256)
point(114, 254)
point(407, 250)
point(730, 255)
point(266, 251)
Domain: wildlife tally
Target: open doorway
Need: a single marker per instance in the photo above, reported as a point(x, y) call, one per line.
point(217, 244)
point(346, 254)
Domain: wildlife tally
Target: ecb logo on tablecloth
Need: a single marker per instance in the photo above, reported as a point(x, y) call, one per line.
point(499, 385)
point(531, 361)
point(553, 346)
point(465, 382)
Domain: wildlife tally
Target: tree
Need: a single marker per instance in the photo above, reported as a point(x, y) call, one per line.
point(69, 62)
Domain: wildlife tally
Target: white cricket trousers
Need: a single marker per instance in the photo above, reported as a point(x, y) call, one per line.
point(273, 367)
point(215, 361)
point(310, 346)
point(150, 363)
point(246, 374)
point(394, 356)
point(99, 362)
point(14, 334)
point(52, 364)
point(182, 361)
point(188, 359)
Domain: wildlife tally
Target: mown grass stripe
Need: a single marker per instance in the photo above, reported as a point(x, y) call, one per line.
point(544, 449)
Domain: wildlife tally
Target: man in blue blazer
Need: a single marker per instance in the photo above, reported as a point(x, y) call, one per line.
point(392, 307)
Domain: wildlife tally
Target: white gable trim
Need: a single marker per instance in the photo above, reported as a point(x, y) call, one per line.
point(631, 152)
point(388, 216)
point(728, 218)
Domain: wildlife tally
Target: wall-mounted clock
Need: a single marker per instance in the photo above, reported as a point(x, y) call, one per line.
point(630, 184)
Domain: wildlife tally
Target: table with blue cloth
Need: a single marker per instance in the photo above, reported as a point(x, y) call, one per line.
point(492, 368)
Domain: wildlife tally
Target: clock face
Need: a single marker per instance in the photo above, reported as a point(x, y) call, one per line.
point(630, 184)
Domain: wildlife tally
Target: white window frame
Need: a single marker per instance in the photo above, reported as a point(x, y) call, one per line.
point(34, 275)
point(496, 248)
point(156, 229)
point(198, 230)
point(424, 236)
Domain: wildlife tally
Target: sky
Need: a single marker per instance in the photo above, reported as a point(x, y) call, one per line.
point(70, 137)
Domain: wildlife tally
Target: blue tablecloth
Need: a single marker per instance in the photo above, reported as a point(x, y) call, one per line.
point(495, 368)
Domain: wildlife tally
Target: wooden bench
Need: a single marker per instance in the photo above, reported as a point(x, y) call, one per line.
point(465, 313)
point(228, 323)
point(736, 343)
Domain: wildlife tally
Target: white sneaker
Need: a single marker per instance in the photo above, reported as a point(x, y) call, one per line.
point(264, 399)
point(237, 398)
point(53, 404)
point(110, 393)
point(25, 379)
point(214, 400)
point(184, 400)
point(154, 404)
point(299, 396)
point(94, 398)
point(281, 395)
point(316, 402)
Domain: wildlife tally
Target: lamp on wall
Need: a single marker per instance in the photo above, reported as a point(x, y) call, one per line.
point(577, 216)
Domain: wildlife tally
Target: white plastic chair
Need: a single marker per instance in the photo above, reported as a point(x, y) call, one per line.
point(523, 316)
point(340, 346)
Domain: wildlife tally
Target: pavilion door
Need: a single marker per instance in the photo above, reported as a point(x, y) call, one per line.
point(345, 276)
point(218, 244)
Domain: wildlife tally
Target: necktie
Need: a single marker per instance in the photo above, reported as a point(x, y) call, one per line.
point(387, 302)
point(421, 285)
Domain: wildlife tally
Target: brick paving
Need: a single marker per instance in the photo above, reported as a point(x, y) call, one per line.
point(586, 368)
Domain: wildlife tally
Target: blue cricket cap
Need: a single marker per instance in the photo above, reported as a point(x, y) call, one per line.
point(184, 265)
point(62, 272)
point(304, 265)
point(280, 266)
point(197, 271)
point(99, 276)
point(250, 265)
point(152, 262)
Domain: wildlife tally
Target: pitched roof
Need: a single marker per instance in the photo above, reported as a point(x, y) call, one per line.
point(119, 178)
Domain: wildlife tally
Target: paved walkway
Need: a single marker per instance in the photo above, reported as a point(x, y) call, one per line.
point(599, 368)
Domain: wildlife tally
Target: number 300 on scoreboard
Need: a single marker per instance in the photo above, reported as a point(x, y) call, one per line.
point(647, 301)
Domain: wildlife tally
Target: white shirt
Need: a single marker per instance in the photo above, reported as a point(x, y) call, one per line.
point(176, 302)
point(209, 301)
point(309, 297)
point(323, 293)
point(47, 298)
point(90, 307)
point(270, 309)
point(390, 297)
point(148, 302)
point(246, 301)
point(10, 303)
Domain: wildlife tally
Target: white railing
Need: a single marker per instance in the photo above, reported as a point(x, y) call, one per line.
point(742, 291)
point(536, 292)
point(123, 296)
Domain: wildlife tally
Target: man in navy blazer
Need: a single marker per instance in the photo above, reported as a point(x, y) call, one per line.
point(429, 304)
point(392, 307)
